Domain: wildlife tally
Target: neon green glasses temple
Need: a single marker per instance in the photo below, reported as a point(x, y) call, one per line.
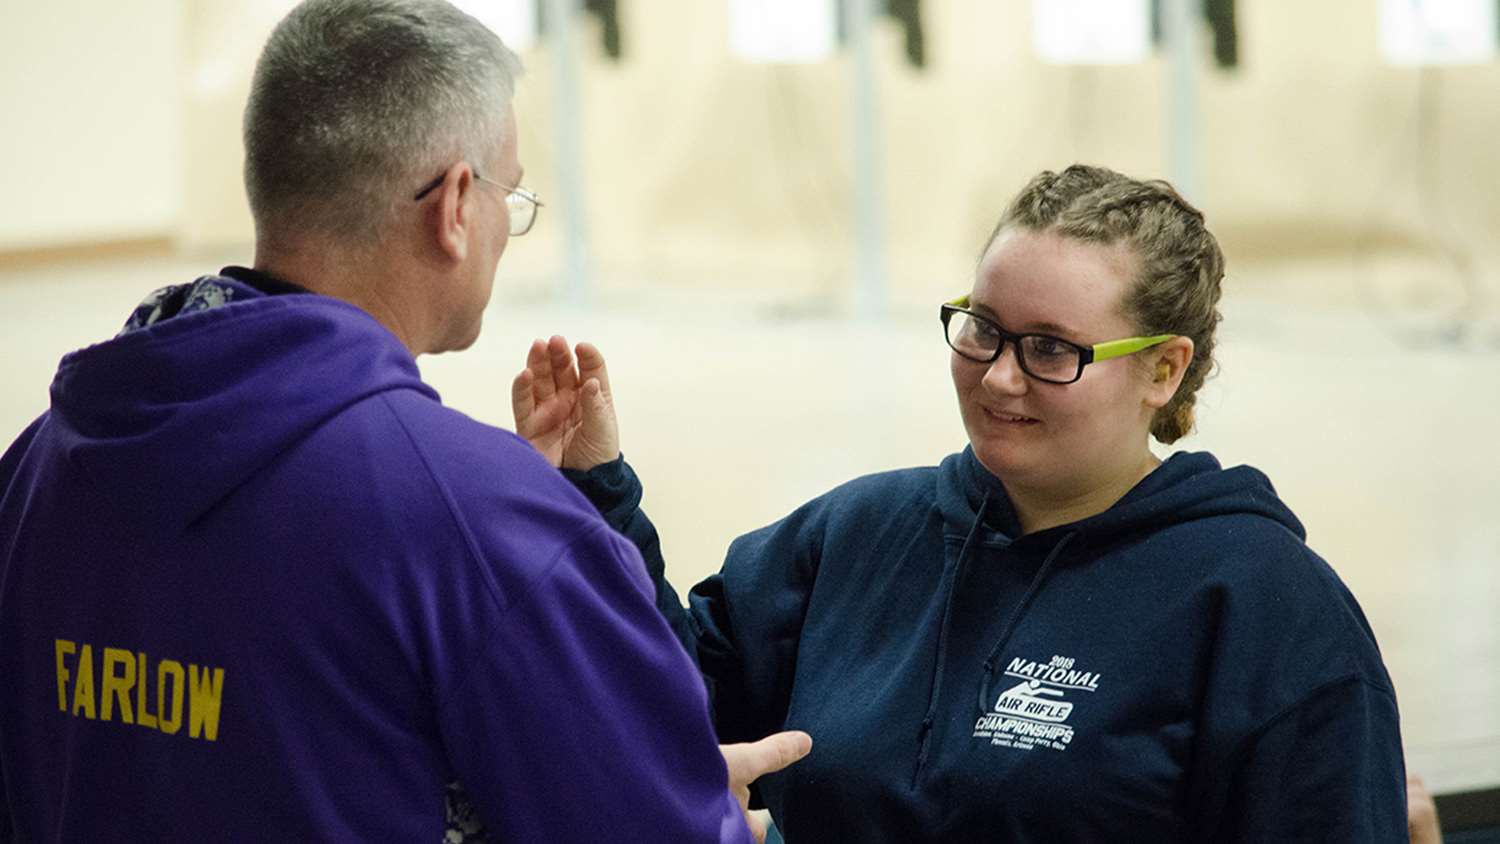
point(1103, 351)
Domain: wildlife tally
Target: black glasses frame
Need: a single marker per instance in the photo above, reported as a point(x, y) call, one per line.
point(1085, 353)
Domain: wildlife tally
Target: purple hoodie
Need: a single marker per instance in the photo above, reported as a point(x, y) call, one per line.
point(257, 583)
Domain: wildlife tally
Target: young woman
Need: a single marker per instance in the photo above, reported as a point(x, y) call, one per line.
point(1051, 636)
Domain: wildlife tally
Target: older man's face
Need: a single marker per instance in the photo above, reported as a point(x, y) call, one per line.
point(491, 234)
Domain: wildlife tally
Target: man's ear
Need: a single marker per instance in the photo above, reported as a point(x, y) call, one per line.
point(451, 219)
point(1169, 363)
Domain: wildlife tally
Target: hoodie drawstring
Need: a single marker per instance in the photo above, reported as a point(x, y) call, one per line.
point(1015, 619)
point(935, 693)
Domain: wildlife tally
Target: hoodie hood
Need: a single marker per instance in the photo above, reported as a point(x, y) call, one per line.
point(1186, 487)
point(172, 415)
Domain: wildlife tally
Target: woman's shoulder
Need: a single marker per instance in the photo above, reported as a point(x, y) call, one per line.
point(1214, 511)
point(1227, 530)
point(883, 492)
point(1262, 582)
point(878, 497)
point(1249, 550)
point(886, 484)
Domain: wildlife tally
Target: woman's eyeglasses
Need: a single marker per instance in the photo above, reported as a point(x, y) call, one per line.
point(1042, 356)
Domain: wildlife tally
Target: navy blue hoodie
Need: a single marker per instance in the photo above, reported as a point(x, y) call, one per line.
point(1180, 667)
point(258, 584)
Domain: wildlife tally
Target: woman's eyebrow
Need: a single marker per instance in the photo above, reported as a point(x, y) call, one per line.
point(1031, 328)
point(1052, 328)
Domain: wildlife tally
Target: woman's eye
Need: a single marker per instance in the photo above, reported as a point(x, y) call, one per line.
point(1049, 346)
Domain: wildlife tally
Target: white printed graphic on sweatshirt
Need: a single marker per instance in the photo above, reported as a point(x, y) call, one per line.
point(1034, 704)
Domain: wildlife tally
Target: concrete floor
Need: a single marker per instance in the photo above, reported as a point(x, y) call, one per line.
point(734, 409)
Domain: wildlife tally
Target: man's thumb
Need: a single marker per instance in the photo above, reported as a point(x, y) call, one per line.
point(750, 761)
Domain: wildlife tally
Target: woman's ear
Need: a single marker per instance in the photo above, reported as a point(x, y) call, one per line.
point(1169, 363)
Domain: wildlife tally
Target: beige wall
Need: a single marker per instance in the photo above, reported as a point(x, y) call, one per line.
point(92, 112)
point(224, 41)
point(710, 173)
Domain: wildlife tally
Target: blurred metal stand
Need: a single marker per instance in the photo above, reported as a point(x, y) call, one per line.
point(1182, 20)
point(567, 106)
point(869, 158)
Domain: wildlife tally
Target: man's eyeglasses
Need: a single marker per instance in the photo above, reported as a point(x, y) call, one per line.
point(521, 203)
point(1042, 356)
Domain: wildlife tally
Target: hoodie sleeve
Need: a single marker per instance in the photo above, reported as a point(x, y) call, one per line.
point(615, 491)
point(1329, 769)
point(605, 731)
point(745, 649)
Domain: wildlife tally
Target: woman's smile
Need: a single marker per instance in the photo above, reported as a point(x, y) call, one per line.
point(1009, 419)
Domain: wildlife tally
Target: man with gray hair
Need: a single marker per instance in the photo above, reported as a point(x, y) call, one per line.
point(258, 583)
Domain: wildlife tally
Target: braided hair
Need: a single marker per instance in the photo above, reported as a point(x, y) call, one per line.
point(1177, 288)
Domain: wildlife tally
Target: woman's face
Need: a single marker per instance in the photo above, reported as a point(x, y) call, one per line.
point(1061, 438)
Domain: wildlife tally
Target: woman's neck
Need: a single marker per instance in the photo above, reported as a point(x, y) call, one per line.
point(1039, 508)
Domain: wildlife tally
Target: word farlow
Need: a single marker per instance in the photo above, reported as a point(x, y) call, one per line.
point(124, 684)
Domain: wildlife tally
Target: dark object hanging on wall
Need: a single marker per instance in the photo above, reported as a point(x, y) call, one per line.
point(608, 13)
point(1220, 17)
point(909, 14)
